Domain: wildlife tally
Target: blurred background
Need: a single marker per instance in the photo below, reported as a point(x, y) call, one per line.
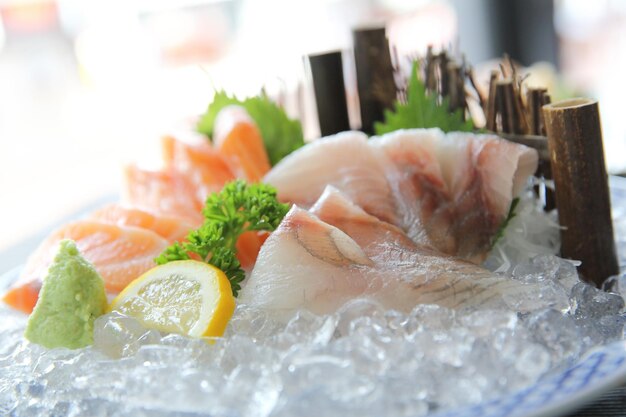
point(88, 85)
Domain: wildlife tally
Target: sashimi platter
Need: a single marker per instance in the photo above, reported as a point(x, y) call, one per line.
point(414, 271)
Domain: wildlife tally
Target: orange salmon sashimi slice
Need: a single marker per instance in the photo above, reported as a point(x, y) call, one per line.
point(238, 138)
point(119, 254)
point(248, 247)
point(198, 157)
point(166, 192)
point(207, 169)
point(169, 227)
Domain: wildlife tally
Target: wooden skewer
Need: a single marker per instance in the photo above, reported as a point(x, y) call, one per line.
point(581, 182)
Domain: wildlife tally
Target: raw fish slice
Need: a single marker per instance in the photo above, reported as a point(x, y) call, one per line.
point(454, 190)
point(248, 247)
point(119, 254)
point(238, 138)
point(171, 193)
point(433, 277)
point(309, 263)
point(345, 161)
point(165, 192)
point(176, 229)
point(207, 168)
point(306, 263)
point(336, 209)
point(169, 227)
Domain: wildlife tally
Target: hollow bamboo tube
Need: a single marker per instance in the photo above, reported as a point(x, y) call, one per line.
point(581, 182)
point(330, 92)
point(374, 72)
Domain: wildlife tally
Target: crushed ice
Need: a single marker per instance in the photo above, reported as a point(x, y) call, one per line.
point(363, 360)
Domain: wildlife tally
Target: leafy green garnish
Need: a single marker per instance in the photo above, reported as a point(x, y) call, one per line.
point(422, 111)
point(281, 134)
point(500, 232)
point(238, 208)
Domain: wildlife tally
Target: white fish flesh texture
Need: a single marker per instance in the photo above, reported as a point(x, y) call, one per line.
point(320, 259)
point(449, 191)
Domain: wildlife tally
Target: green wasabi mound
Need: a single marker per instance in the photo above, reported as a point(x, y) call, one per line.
point(71, 298)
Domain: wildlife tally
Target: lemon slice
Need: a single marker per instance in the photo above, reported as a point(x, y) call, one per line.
point(187, 297)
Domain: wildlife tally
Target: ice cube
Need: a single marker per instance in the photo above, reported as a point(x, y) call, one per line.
point(589, 302)
point(252, 322)
point(259, 387)
point(484, 322)
point(312, 329)
point(556, 332)
point(537, 269)
point(355, 309)
point(118, 335)
point(433, 317)
point(241, 349)
point(547, 295)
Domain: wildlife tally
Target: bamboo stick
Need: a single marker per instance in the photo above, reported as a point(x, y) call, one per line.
point(456, 89)
point(581, 182)
point(375, 83)
point(505, 106)
point(534, 102)
point(490, 111)
point(330, 92)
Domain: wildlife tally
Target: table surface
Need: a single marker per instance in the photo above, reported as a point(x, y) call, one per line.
point(611, 404)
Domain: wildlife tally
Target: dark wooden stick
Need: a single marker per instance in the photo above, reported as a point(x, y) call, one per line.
point(545, 100)
point(534, 102)
point(581, 182)
point(375, 83)
point(490, 111)
point(505, 106)
point(520, 115)
point(444, 84)
point(456, 88)
point(330, 92)
point(430, 79)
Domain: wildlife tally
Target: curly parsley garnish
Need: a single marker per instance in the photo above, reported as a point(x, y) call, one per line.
point(238, 208)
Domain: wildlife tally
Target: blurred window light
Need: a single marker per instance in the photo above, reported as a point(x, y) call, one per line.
point(578, 19)
point(592, 44)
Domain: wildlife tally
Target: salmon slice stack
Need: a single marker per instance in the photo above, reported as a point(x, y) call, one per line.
point(239, 140)
point(158, 207)
point(171, 228)
point(166, 192)
point(119, 253)
point(205, 167)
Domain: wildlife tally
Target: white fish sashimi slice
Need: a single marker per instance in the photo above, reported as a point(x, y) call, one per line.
point(414, 171)
point(320, 264)
point(305, 263)
point(344, 160)
point(415, 274)
point(454, 190)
